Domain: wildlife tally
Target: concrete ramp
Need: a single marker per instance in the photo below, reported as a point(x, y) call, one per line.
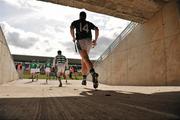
point(148, 55)
point(26, 100)
point(7, 67)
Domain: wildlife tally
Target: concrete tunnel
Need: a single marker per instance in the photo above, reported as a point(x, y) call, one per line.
point(146, 54)
point(149, 53)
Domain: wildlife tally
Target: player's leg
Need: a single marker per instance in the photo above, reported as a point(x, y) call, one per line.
point(59, 78)
point(37, 76)
point(75, 75)
point(64, 72)
point(32, 74)
point(46, 70)
point(89, 65)
point(84, 47)
point(64, 75)
point(59, 75)
point(48, 74)
point(67, 74)
point(84, 71)
point(46, 77)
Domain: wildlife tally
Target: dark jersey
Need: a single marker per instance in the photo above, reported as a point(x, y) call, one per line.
point(83, 29)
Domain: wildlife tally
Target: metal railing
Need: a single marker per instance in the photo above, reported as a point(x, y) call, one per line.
point(123, 34)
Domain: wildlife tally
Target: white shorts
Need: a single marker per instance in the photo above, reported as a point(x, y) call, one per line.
point(60, 68)
point(33, 70)
point(67, 72)
point(47, 70)
point(84, 44)
point(37, 70)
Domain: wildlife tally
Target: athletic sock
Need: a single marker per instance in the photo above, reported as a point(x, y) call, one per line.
point(84, 77)
point(92, 71)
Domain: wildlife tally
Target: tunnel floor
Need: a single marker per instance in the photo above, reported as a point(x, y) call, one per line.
point(26, 100)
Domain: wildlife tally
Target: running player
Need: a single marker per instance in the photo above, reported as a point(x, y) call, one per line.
point(83, 36)
point(60, 62)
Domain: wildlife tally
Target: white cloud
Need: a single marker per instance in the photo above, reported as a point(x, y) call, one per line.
point(15, 3)
point(39, 28)
point(19, 38)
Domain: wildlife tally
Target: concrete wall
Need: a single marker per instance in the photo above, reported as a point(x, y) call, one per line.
point(149, 55)
point(7, 68)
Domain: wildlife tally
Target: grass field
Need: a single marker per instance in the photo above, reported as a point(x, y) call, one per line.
point(27, 75)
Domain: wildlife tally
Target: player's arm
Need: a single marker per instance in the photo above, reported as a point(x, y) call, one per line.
point(96, 36)
point(72, 32)
point(93, 27)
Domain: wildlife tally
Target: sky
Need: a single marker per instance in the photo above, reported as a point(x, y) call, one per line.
point(40, 28)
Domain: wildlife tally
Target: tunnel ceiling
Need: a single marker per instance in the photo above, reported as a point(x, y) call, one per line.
point(133, 10)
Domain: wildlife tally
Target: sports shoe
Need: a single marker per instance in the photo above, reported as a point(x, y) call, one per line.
point(95, 80)
point(83, 82)
point(60, 85)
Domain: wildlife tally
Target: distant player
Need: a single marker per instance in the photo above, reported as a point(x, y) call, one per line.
point(37, 70)
point(48, 69)
point(60, 62)
point(33, 70)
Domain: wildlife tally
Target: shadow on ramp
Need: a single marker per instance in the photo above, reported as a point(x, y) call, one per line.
point(94, 105)
point(29, 82)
